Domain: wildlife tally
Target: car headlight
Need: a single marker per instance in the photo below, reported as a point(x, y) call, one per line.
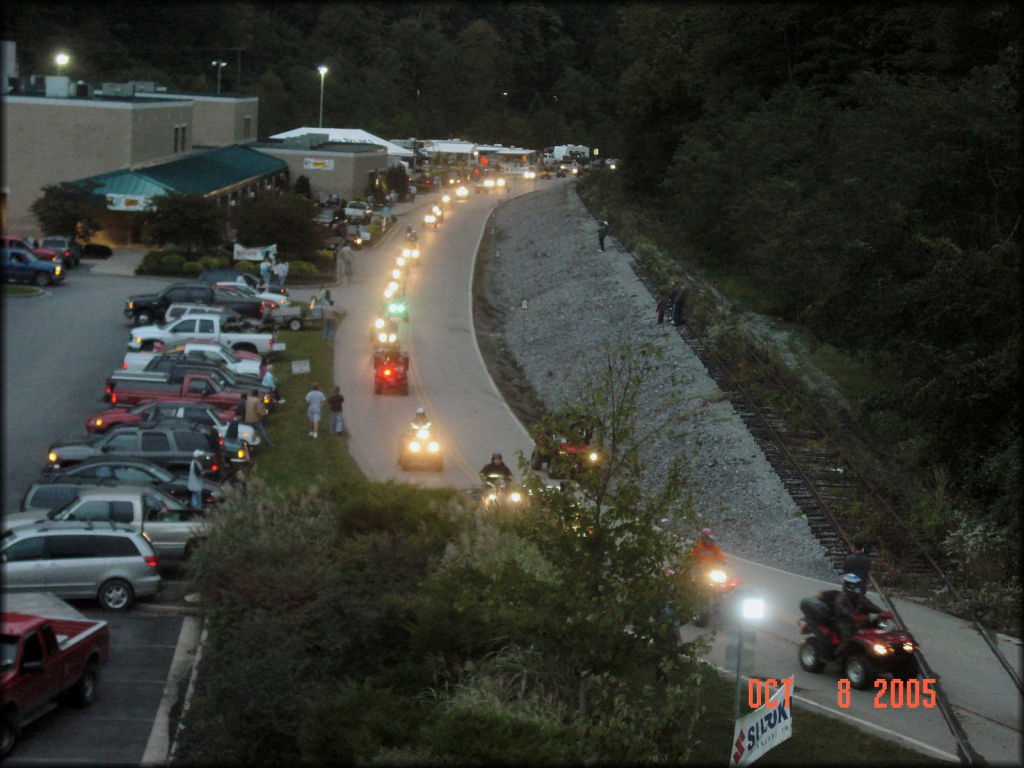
point(908, 647)
point(56, 270)
point(879, 649)
point(414, 446)
point(138, 340)
point(717, 576)
point(52, 457)
point(433, 447)
point(95, 422)
point(501, 182)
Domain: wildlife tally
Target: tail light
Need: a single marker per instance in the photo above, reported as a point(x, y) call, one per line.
point(215, 467)
point(151, 560)
point(124, 366)
point(387, 372)
point(113, 398)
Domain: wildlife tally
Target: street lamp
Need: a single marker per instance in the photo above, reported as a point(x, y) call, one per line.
point(62, 60)
point(751, 609)
point(322, 69)
point(219, 64)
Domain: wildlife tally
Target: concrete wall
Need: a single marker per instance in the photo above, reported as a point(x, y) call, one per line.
point(348, 178)
point(48, 141)
point(220, 121)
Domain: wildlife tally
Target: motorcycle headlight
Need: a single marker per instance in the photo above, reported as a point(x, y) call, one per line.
point(392, 338)
point(400, 261)
point(415, 253)
point(389, 292)
point(515, 496)
point(594, 457)
point(422, 434)
point(378, 323)
point(433, 447)
point(396, 273)
point(414, 446)
point(501, 182)
point(908, 647)
point(879, 649)
point(491, 497)
point(382, 337)
point(717, 576)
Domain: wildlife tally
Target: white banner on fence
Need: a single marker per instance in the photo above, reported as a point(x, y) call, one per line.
point(255, 254)
point(762, 729)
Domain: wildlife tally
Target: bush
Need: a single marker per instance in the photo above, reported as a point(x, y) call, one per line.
point(302, 269)
point(323, 261)
point(214, 261)
point(150, 264)
point(172, 263)
point(191, 268)
point(250, 267)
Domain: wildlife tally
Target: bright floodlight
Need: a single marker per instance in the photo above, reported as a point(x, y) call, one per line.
point(322, 69)
point(62, 59)
point(753, 608)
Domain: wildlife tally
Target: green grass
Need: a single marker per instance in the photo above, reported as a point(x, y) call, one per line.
point(20, 290)
point(294, 459)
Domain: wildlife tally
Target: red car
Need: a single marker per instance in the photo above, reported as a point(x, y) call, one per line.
point(49, 254)
point(104, 420)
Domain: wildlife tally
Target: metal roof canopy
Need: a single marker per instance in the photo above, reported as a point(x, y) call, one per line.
point(201, 173)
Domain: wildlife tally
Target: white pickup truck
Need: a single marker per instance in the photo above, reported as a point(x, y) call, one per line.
point(242, 363)
point(210, 326)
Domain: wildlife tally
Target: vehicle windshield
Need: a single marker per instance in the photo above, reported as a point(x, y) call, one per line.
point(59, 512)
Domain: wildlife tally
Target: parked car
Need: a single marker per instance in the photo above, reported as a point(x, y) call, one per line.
point(66, 248)
point(174, 362)
point(237, 276)
point(169, 445)
point(325, 217)
point(27, 244)
point(21, 265)
point(171, 526)
point(241, 363)
point(111, 563)
point(161, 410)
point(270, 299)
point(96, 251)
point(129, 471)
point(44, 659)
point(143, 309)
point(357, 210)
point(127, 388)
point(181, 309)
point(49, 493)
point(210, 326)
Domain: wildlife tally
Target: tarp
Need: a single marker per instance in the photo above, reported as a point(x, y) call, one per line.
point(255, 254)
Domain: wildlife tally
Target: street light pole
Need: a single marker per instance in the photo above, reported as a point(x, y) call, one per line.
point(219, 64)
point(61, 60)
point(751, 608)
point(322, 69)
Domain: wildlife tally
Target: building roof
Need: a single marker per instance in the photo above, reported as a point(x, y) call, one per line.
point(200, 173)
point(347, 136)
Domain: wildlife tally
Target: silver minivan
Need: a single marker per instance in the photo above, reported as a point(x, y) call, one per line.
point(115, 564)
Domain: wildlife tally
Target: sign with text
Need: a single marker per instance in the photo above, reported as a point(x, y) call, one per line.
point(764, 728)
point(300, 366)
point(129, 203)
point(314, 164)
point(241, 253)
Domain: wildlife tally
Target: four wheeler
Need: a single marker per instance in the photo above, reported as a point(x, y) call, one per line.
point(566, 451)
point(876, 649)
point(713, 584)
point(419, 447)
point(391, 372)
point(498, 490)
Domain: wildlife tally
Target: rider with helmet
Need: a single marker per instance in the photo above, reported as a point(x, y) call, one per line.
point(851, 608)
point(705, 552)
point(496, 466)
point(420, 420)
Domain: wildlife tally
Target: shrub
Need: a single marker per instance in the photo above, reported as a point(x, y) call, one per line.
point(150, 264)
point(302, 269)
point(172, 263)
point(250, 267)
point(323, 260)
point(192, 268)
point(214, 261)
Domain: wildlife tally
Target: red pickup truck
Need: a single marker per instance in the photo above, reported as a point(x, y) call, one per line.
point(42, 659)
point(127, 388)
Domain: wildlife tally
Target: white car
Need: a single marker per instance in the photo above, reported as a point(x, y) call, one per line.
point(357, 210)
point(241, 363)
point(275, 300)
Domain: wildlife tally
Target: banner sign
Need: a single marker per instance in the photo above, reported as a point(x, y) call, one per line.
point(764, 728)
point(255, 254)
point(129, 203)
point(312, 164)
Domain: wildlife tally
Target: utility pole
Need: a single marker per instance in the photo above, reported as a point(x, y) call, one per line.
point(238, 59)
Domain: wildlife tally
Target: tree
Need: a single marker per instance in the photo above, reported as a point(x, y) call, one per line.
point(302, 187)
point(70, 208)
point(193, 222)
point(286, 220)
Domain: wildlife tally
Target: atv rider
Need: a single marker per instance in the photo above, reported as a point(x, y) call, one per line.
point(496, 467)
point(420, 420)
point(851, 608)
point(705, 552)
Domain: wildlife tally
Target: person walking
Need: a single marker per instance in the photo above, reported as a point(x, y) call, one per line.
point(675, 296)
point(346, 262)
point(255, 410)
point(280, 273)
point(337, 424)
point(601, 232)
point(314, 401)
point(195, 479)
point(240, 406)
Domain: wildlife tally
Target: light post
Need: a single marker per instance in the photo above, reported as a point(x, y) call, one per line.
point(322, 69)
point(751, 609)
point(61, 59)
point(219, 64)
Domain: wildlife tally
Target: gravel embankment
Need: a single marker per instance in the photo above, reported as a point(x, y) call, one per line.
point(544, 249)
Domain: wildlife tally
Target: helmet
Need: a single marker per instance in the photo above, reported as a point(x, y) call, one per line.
point(496, 457)
point(852, 583)
point(197, 453)
point(707, 534)
point(420, 412)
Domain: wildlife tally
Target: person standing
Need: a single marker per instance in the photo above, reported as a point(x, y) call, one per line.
point(240, 406)
point(267, 380)
point(280, 273)
point(314, 401)
point(195, 479)
point(677, 308)
point(330, 316)
point(255, 410)
point(662, 306)
point(675, 295)
point(347, 256)
point(266, 269)
point(601, 232)
point(334, 402)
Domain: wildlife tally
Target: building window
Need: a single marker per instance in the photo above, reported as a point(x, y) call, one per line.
point(247, 126)
point(184, 138)
point(177, 134)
